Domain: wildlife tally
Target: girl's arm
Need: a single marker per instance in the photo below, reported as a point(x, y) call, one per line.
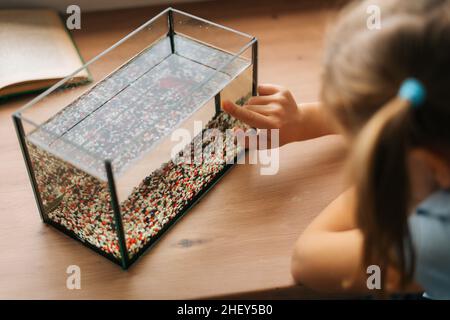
point(327, 257)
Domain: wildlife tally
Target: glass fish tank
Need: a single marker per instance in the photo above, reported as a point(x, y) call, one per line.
point(116, 162)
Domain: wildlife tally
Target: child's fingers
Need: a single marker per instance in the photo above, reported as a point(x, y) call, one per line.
point(262, 109)
point(260, 100)
point(268, 89)
point(249, 117)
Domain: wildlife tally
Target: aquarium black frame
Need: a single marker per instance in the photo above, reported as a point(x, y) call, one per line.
point(125, 261)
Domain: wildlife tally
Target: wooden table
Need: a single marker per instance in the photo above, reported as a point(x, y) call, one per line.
point(237, 241)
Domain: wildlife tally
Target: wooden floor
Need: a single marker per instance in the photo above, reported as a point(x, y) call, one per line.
point(237, 242)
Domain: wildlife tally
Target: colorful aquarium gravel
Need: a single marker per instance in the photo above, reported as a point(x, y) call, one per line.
point(81, 203)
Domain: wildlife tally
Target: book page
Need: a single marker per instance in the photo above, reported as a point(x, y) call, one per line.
point(34, 45)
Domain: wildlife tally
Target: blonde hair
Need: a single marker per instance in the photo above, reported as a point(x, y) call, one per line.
point(363, 71)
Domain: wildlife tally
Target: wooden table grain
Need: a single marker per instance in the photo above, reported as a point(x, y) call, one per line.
point(237, 241)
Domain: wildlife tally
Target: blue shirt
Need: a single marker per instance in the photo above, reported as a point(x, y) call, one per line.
point(430, 233)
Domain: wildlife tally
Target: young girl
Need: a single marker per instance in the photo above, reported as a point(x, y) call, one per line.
point(388, 92)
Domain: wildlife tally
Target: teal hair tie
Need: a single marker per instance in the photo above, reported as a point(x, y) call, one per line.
point(413, 91)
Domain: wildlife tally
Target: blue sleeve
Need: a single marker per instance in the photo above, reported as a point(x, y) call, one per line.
point(430, 233)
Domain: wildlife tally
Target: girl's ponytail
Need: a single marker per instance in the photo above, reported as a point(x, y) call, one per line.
point(380, 169)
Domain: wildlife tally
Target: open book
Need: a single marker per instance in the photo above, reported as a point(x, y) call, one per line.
point(36, 51)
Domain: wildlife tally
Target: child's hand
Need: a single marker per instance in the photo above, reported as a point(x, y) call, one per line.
point(274, 108)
